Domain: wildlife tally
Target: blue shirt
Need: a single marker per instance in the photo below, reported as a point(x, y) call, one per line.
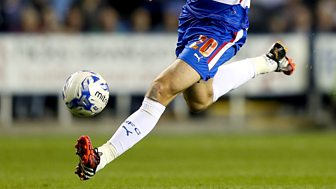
point(233, 12)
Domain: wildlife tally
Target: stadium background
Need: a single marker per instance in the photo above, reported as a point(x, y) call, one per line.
point(129, 42)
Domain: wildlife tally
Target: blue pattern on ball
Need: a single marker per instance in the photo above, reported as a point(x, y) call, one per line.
point(84, 101)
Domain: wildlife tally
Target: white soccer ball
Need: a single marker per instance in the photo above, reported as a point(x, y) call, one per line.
point(85, 93)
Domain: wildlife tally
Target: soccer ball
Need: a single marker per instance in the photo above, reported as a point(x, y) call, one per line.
point(85, 93)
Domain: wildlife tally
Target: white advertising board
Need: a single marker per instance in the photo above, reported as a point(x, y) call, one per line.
point(325, 62)
point(41, 63)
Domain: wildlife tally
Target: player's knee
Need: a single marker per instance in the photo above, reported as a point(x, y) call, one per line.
point(197, 107)
point(160, 90)
point(199, 103)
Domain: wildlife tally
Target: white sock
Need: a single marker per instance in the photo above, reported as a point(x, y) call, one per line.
point(232, 75)
point(263, 64)
point(136, 127)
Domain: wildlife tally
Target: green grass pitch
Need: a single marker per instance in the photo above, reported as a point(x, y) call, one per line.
point(174, 161)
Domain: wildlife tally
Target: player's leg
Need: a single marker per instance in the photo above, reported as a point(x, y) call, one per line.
point(176, 78)
point(199, 96)
point(230, 76)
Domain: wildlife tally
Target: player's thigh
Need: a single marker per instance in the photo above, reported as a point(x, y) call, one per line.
point(199, 96)
point(173, 80)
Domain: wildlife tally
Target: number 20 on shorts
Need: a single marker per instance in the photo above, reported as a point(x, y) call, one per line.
point(208, 45)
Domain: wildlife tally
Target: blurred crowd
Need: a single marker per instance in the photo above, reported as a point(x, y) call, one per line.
point(72, 16)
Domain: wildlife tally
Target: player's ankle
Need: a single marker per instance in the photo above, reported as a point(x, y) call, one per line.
point(263, 65)
point(107, 153)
